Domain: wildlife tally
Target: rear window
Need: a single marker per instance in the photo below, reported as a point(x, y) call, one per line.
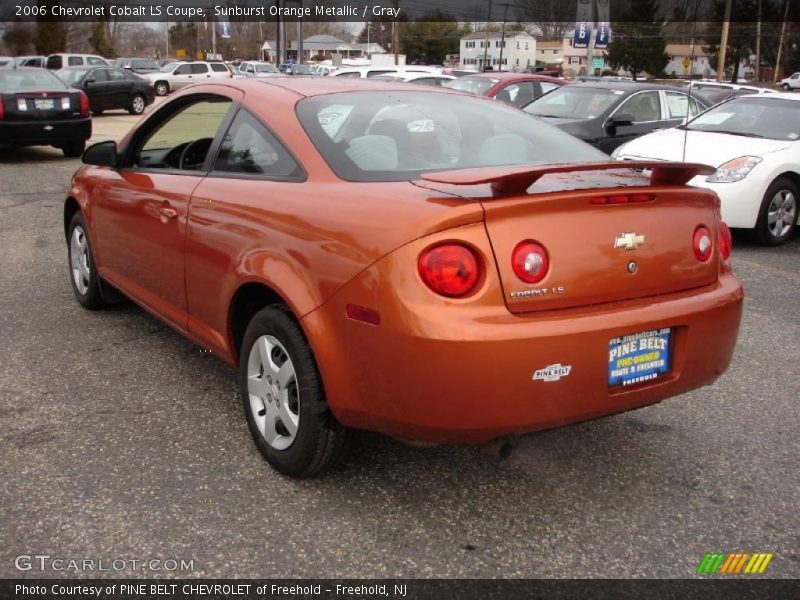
point(219, 67)
point(396, 136)
point(145, 64)
point(12, 80)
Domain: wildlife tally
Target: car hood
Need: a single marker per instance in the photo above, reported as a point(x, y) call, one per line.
point(701, 146)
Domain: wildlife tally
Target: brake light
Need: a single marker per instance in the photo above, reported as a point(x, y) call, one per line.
point(449, 269)
point(84, 103)
point(702, 243)
point(623, 198)
point(530, 261)
point(725, 241)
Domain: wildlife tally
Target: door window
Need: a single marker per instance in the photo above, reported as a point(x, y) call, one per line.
point(643, 106)
point(518, 94)
point(219, 68)
point(116, 75)
point(99, 75)
point(199, 68)
point(249, 147)
point(73, 61)
point(93, 60)
point(183, 140)
point(55, 62)
point(183, 70)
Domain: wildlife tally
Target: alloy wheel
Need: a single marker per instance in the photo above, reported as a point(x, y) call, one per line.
point(79, 260)
point(138, 105)
point(782, 213)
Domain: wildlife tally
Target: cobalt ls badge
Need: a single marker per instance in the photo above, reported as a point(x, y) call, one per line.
point(552, 373)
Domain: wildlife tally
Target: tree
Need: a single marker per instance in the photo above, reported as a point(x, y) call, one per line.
point(19, 38)
point(552, 17)
point(430, 39)
point(50, 35)
point(638, 43)
point(99, 40)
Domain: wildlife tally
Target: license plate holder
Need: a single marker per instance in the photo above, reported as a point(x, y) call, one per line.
point(45, 103)
point(639, 358)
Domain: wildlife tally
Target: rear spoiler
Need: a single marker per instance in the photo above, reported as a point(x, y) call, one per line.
point(512, 179)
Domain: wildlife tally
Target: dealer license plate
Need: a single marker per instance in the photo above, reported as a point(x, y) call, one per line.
point(45, 103)
point(639, 357)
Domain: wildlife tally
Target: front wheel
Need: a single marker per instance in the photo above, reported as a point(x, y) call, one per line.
point(786, 87)
point(284, 399)
point(83, 274)
point(138, 104)
point(778, 215)
point(162, 88)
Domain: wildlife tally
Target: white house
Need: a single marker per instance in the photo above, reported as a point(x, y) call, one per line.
point(550, 52)
point(518, 48)
point(681, 64)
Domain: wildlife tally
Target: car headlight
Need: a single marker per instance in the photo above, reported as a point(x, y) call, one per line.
point(734, 170)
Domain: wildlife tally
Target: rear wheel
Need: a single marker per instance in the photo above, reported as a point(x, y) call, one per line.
point(73, 149)
point(83, 274)
point(162, 88)
point(284, 399)
point(778, 215)
point(138, 104)
point(786, 87)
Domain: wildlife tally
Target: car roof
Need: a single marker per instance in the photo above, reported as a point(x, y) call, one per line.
point(776, 96)
point(627, 86)
point(85, 67)
point(508, 76)
point(320, 86)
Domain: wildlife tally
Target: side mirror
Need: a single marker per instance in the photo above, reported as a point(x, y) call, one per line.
point(89, 80)
point(621, 120)
point(101, 154)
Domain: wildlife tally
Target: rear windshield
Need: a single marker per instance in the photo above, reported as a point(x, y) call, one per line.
point(72, 75)
point(574, 102)
point(12, 80)
point(397, 136)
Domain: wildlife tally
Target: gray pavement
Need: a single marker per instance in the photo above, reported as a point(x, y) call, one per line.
point(121, 440)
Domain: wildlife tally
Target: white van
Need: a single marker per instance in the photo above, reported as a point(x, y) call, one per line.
point(367, 72)
point(59, 61)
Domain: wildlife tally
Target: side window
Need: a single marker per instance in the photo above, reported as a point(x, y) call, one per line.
point(99, 75)
point(374, 73)
point(249, 147)
point(219, 67)
point(695, 108)
point(55, 62)
point(183, 70)
point(93, 60)
point(350, 74)
point(183, 140)
point(116, 75)
point(518, 94)
point(676, 105)
point(73, 61)
point(547, 86)
point(643, 106)
point(199, 68)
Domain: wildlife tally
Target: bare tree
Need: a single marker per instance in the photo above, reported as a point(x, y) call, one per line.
point(548, 16)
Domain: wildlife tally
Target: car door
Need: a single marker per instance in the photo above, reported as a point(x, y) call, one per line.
point(225, 225)
point(97, 88)
point(200, 72)
point(645, 108)
point(140, 210)
point(181, 76)
point(120, 88)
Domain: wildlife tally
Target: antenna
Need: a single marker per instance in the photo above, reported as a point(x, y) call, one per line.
point(691, 72)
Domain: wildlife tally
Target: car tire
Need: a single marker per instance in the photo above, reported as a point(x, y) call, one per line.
point(73, 149)
point(284, 398)
point(778, 215)
point(786, 87)
point(161, 88)
point(138, 104)
point(82, 273)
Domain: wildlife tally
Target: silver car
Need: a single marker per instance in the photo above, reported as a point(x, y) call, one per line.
point(254, 69)
point(174, 76)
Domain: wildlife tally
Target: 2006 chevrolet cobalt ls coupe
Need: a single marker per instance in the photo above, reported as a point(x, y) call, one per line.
point(417, 261)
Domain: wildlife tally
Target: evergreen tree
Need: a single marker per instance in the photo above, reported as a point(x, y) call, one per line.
point(638, 43)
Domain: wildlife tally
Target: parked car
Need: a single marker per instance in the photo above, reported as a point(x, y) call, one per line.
point(174, 76)
point(140, 66)
point(59, 61)
point(726, 85)
point(109, 88)
point(513, 88)
point(30, 61)
point(6, 61)
point(791, 83)
point(607, 114)
point(252, 69)
point(368, 72)
point(379, 256)
point(753, 143)
point(418, 78)
point(38, 109)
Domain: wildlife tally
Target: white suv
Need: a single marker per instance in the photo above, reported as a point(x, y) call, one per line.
point(791, 83)
point(59, 61)
point(174, 76)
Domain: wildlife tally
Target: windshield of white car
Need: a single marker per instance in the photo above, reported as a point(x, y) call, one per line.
point(762, 116)
point(396, 136)
point(574, 102)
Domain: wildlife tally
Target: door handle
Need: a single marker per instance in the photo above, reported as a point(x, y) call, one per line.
point(167, 213)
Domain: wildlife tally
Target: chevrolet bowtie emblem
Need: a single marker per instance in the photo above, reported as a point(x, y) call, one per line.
point(629, 241)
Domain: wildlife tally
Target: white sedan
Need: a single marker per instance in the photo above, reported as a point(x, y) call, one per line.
point(754, 143)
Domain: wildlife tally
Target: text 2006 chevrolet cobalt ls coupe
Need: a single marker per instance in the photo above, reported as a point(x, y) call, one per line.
point(429, 264)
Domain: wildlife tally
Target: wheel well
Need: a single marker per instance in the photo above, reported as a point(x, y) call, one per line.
point(794, 177)
point(249, 299)
point(71, 207)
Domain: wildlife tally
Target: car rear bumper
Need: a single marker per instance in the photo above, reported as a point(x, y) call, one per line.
point(452, 377)
point(44, 133)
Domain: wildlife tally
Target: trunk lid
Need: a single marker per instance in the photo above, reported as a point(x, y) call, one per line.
point(41, 106)
point(601, 253)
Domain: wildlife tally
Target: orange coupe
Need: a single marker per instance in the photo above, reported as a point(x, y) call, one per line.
point(417, 261)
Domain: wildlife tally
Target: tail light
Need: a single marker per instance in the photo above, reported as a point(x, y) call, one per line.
point(450, 269)
point(725, 241)
point(84, 103)
point(2, 112)
point(623, 199)
point(702, 243)
point(530, 261)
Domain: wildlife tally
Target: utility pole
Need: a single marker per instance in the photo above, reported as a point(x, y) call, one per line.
point(486, 38)
point(300, 60)
point(396, 35)
point(758, 44)
point(723, 43)
point(503, 36)
point(780, 45)
point(590, 52)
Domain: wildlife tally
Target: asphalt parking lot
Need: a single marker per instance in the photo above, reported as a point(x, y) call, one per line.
point(120, 439)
